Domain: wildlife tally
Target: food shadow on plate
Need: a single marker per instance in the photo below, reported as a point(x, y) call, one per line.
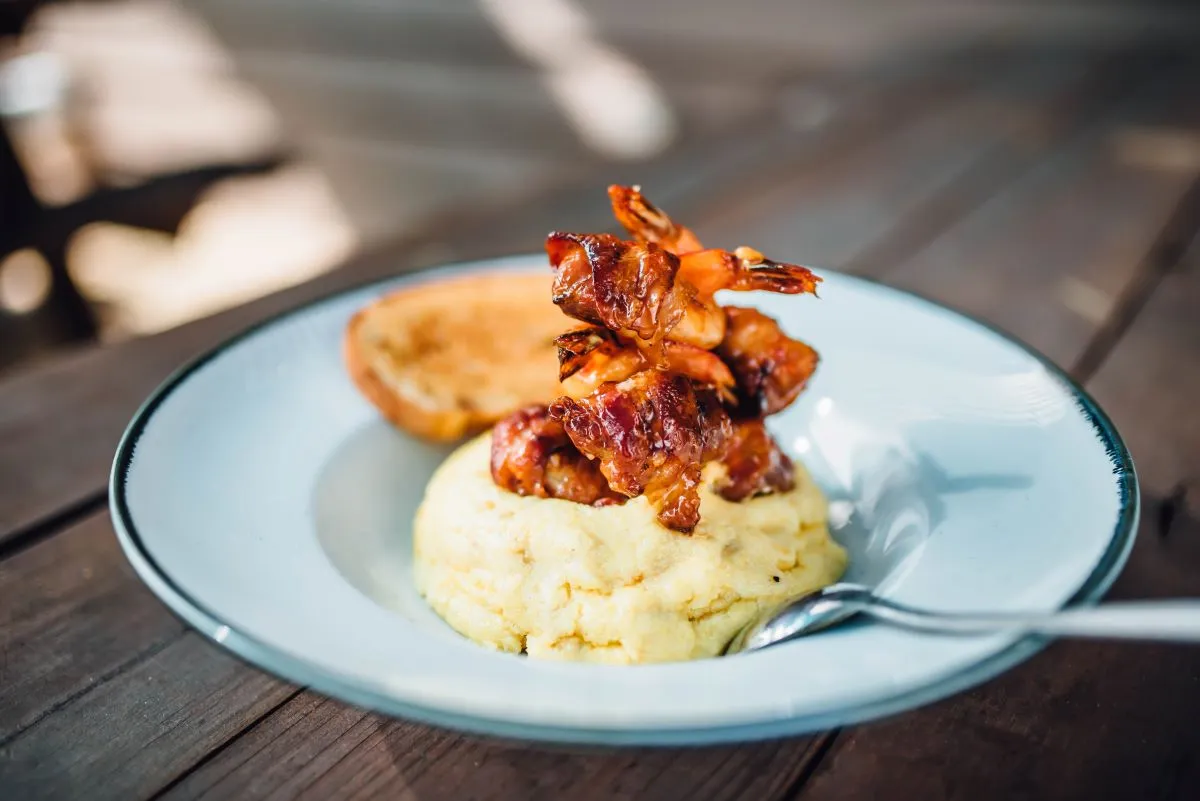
point(887, 497)
point(363, 504)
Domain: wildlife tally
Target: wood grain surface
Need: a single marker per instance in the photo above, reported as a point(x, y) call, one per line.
point(74, 616)
point(318, 748)
point(1051, 193)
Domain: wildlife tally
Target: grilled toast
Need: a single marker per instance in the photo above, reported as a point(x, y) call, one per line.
point(446, 359)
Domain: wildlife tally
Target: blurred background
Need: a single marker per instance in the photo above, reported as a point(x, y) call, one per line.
point(162, 160)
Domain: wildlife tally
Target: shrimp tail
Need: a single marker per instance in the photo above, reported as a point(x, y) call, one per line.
point(645, 222)
point(756, 272)
point(576, 346)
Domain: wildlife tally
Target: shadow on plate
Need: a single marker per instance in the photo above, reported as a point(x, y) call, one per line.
point(363, 505)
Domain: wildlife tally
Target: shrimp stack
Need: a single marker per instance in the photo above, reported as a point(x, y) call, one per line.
point(661, 379)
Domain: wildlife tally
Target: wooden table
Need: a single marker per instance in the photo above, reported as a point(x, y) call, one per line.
point(1052, 193)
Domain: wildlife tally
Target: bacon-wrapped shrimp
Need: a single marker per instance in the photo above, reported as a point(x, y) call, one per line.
point(589, 357)
point(651, 435)
point(770, 367)
point(649, 294)
point(662, 379)
point(624, 286)
point(754, 462)
point(532, 455)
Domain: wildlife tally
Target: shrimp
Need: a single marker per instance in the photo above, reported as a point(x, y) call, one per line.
point(707, 269)
point(662, 379)
point(743, 270)
point(646, 223)
point(702, 322)
point(648, 294)
point(589, 357)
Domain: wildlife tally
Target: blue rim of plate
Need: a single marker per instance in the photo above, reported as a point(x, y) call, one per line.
point(334, 685)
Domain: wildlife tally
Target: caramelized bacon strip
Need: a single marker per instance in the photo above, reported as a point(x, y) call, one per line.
point(770, 367)
point(755, 464)
point(650, 434)
point(625, 286)
point(532, 455)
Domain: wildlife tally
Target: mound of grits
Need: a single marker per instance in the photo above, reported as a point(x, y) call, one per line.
point(560, 580)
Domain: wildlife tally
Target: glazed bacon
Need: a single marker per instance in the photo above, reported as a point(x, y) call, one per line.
point(532, 455)
point(625, 286)
point(651, 435)
point(662, 379)
point(770, 367)
point(754, 463)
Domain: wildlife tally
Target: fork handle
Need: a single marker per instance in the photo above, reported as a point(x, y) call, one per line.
point(1173, 621)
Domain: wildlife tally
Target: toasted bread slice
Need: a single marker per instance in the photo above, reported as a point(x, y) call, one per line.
point(447, 359)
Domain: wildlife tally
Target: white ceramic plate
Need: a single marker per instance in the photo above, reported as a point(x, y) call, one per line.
point(265, 502)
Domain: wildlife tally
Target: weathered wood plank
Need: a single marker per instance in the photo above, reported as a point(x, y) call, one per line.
point(1047, 257)
point(1151, 386)
point(316, 748)
point(126, 739)
point(862, 210)
point(77, 613)
point(1083, 719)
point(98, 678)
point(72, 613)
point(664, 40)
point(494, 110)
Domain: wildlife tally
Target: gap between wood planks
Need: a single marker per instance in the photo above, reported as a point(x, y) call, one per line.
point(27, 537)
point(115, 670)
point(220, 749)
point(1165, 255)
